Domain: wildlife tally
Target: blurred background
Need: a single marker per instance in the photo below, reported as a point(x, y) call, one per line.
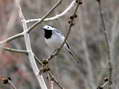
point(86, 39)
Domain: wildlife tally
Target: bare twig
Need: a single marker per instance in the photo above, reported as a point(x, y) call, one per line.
point(7, 80)
point(31, 27)
point(38, 60)
point(103, 85)
point(12, 38)
point(51, 82)
point(54, 79)
point(107, 43)
point(89, 68)
point(21, 51)
point(14, 50)
point(56, 16)
point(12, 84)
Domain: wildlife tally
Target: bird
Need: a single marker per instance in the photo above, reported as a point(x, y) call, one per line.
point(54, 39)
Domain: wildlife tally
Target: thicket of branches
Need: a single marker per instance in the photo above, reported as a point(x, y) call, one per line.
point(89, 26)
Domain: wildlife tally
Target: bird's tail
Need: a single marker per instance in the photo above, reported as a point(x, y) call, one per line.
point(72, 53)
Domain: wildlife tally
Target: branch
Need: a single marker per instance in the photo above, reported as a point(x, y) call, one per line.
point(21, 51)
point(11, 38)
point(12, 84)
point(7, 80)
point(54, 79)
point(14, 50)
point(28, 47)
point(107, 42)
point(102, 86)
point(84, 45)
point(56, 16)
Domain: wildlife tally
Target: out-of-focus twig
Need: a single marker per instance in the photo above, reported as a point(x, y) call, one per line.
point(51, 84)
point(12, 84)
point(56, 16)
point(107, 42)
point(54, 79)
point(83, 35)
point(103, 85)
point(7, 80)
point(21, 51)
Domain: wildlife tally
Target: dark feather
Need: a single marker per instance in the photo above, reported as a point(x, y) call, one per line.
point(47, 33)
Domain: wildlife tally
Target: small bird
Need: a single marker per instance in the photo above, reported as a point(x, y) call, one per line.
point(54, 38)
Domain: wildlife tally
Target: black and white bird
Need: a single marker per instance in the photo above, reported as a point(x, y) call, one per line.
point(54, 38)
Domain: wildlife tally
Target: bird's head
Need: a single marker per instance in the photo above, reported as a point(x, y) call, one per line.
point(48, 31)
point(48, 27)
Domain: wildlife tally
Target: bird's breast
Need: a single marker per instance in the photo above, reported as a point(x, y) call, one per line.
point(55, 41)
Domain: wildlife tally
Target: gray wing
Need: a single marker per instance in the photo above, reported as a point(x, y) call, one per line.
point(58, 31)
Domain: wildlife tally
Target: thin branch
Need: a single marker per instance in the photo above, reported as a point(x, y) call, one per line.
point(12, 38)
point(107, 42)
point(14, 50)
point(38, 60)
point(54, 79)
point(7, 80)
point(12, 84)
point(51, 83)
point(103, 85)
point(89, 68)
point(21, 51)
point(56, 16)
